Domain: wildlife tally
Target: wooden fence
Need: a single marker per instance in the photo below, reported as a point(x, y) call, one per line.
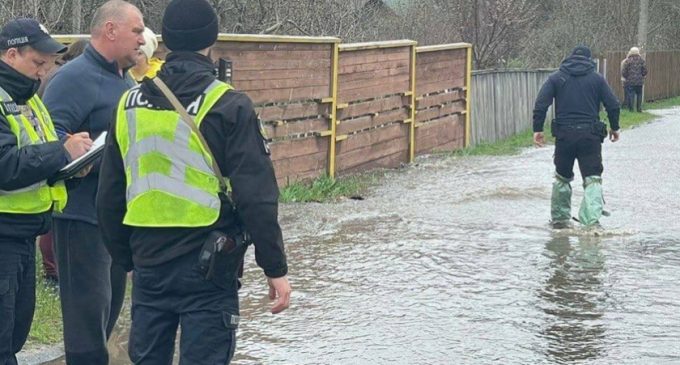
point(503, 102)
point(331, 108)
point(663, 77)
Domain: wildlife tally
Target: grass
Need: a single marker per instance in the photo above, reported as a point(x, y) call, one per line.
point(47, 325)
point(325, 189)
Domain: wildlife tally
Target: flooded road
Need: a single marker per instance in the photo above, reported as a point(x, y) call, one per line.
point(452, 262)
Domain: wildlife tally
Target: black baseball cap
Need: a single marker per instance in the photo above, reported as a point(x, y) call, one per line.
point(28, 32)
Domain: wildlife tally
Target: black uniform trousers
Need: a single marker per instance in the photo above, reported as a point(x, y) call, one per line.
point(17, 298)
point(578, 142)
point(92, 291)
point(175, 294)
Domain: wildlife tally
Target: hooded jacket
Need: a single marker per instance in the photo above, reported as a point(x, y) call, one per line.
point(25, 166)
point(634, 70)
point(578, 92)
point(232, 132)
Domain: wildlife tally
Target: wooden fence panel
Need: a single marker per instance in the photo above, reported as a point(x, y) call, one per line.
point(503, 102)
point(441, 98)
point(374, 85)
point(288, 80)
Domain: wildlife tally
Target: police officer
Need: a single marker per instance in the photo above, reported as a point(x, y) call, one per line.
point(29, 154)
point(578, 91)
point(162, 207)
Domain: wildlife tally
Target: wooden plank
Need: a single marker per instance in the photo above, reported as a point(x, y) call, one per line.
point(345, 96)
point(254, 55)
point(389, 161)
point(291, 111)
point(437, 99)
point(300, 164)
point(373, 106)
point(275, 64)
point(223, 47)
point(372, 67)
point(352, 125)
point(354, 76)
point(297, 127)
point(251, 75)
point(437, 86)
point(282, 84)
point(437, 112)
point(374, 137)
point(440, 132)
point(374, 56)
point(402, 79)
point(349, 157)
point(440, 56)
point(298, 147)
point(288, 95)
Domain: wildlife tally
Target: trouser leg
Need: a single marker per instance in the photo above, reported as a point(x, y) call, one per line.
point(154, 319)
point(86, 291)
point(17, 301)
point(589, 154)
point(638, 98)
point(628, 96)
point(49, 264)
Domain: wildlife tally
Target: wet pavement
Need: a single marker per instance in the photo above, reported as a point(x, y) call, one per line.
point(452, 262)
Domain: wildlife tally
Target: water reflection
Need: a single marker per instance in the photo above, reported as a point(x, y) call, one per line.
point(573, 300)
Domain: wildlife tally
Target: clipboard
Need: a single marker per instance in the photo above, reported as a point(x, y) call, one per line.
point(81, 162)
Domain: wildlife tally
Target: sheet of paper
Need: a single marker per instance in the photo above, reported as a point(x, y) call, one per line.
point(96, 145)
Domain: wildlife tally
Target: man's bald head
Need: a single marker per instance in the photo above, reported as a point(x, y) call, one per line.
point(111, 11)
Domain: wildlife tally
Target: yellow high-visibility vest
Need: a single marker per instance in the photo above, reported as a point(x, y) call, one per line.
point(38, 197)
point(169, 178)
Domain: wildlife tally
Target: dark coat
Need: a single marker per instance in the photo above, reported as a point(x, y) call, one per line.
point(578, 92)
point(634, 71)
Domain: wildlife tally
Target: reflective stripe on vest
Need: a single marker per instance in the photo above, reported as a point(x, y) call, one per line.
point(169, 179)
point(38, 197)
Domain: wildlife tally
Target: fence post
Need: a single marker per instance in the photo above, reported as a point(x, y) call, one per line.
point(468, 94)
point(412, 128)
point(334, 108)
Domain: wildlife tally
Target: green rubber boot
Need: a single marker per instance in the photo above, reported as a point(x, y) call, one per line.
point(560, 202)
point(593, 203)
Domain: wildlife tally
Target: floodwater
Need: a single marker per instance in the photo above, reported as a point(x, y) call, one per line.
point(452, 262)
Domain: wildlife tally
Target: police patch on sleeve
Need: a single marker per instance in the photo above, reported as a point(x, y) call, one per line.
point(263, 135)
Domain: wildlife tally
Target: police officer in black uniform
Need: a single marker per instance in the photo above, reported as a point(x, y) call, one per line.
point(176, 281)
point(30, 153)
point(578, 91)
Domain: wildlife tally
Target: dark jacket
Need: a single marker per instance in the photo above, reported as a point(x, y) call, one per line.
point(81, 97)
point(232, 132)
point(578, 92)
point(25, 166)
point(634, 71)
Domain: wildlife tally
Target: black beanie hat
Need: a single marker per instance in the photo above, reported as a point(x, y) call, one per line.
point(581, 51)
point(189, 25)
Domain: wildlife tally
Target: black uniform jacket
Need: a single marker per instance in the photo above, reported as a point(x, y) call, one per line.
point(578, 92)
point(232, 131)
point(23, 167)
